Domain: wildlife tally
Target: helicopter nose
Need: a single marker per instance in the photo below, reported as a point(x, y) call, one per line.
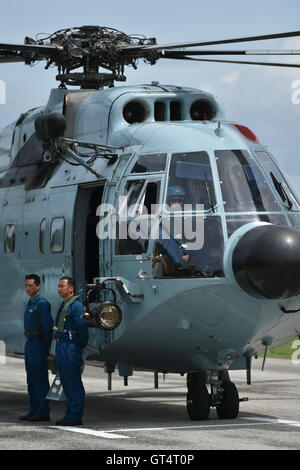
point(266, 262)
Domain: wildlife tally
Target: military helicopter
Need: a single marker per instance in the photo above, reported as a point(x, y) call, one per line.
point(88, 188)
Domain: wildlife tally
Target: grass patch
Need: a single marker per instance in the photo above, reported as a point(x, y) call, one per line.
point(284, 351)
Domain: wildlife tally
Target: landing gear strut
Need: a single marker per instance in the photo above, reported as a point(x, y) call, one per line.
point(224, 396)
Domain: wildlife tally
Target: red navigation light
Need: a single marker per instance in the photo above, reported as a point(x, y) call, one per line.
point(246, 132)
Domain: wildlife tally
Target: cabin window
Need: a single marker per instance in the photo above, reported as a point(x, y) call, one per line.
point(9, 238)
point(57, 235)
point(244, 187)
point(190, 183)
point(42, 236)
point(150, 163)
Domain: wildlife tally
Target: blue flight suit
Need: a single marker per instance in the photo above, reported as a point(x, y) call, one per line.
point(36, 350)
point(171, 247)
point(69, 345)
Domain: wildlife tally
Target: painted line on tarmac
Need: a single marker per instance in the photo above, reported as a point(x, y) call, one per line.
point(114, 433)
point(200, 426)
point(91, 432)
point(276, 421)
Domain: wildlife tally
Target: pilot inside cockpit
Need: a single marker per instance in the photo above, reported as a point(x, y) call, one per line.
point(176, 198)
point(170, 249)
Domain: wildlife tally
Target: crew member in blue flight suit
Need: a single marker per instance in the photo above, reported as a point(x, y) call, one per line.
point(71, 335)
point(38, 326)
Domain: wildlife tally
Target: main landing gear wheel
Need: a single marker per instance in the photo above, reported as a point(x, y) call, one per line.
point(198, 399)
point(230, 404)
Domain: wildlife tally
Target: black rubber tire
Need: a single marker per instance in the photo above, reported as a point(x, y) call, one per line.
point(198, 402)
point(229, 408)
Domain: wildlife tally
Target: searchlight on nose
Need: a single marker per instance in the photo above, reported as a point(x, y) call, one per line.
point(266, 262)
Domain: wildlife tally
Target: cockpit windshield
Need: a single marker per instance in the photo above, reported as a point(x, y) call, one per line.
point(244, 186)
point(190, 182)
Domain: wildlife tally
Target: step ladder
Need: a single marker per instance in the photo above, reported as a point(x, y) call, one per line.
point(56, 391)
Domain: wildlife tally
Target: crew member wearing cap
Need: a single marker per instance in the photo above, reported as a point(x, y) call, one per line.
point(71, 335)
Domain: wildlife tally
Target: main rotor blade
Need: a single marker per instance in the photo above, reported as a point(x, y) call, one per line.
point(210, 43)
point(181, 52)
point(273, 64)
point(5, 60)
point(45, 51)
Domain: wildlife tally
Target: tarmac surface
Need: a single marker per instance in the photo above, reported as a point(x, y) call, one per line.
point(139, 417)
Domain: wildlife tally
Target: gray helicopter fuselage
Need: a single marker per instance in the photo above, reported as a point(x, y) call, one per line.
point(174, 322)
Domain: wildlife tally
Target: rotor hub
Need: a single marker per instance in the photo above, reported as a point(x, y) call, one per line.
point(91, 47)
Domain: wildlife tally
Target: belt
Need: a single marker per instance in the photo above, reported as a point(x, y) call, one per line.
point(68, 335)
point(32, 335)
point(55, 329)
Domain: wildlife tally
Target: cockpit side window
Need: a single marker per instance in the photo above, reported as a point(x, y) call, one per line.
point(140, 197)
point(137, 210)
point(150, 198)
point(129, 200)
point(279, 182)
point(190, 182)
point(244, 187)
point(150, 163)
point(190, 247)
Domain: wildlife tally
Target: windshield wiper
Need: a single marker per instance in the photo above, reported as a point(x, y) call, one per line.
point(281, 191)
point(212, 206)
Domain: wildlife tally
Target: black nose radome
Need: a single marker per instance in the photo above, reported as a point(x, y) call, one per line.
point(266, 262)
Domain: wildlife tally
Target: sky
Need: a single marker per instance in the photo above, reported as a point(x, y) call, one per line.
point(262, 98)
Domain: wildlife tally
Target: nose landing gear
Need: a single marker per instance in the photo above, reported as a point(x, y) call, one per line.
point(198, 399)
point(230, 403)
point(224, 396)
